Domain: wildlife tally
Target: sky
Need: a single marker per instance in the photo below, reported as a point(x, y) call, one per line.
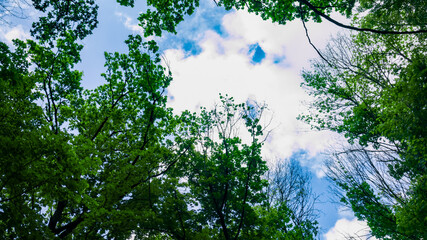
point(234, 53)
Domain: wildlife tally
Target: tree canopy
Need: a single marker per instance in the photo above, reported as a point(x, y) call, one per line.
point(115, 161)
point(391, 17)
point(371, 88)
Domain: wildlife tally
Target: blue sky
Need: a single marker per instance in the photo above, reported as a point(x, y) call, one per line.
point(232, 53)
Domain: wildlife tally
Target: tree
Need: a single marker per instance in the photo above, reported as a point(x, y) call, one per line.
point(224, 173)
point(368, 87)
point(290, 194)
point(20, 145)
point(69, 156)
point(213, 192)
point(364, 184)
point(370, 92)
point(86, 146)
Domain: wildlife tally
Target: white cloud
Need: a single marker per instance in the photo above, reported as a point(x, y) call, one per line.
point(17, 32)
point(224, 66)
point(289, 39)
point(349, 229)
point(130, 23)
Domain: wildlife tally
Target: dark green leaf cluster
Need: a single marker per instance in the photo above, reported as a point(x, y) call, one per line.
point(394, 15)
point(166, 15)
point(78, 17)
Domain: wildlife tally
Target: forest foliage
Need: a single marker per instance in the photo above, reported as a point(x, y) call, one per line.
point(116, 162)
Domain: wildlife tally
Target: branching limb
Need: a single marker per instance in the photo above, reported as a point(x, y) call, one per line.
point(314, 9)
